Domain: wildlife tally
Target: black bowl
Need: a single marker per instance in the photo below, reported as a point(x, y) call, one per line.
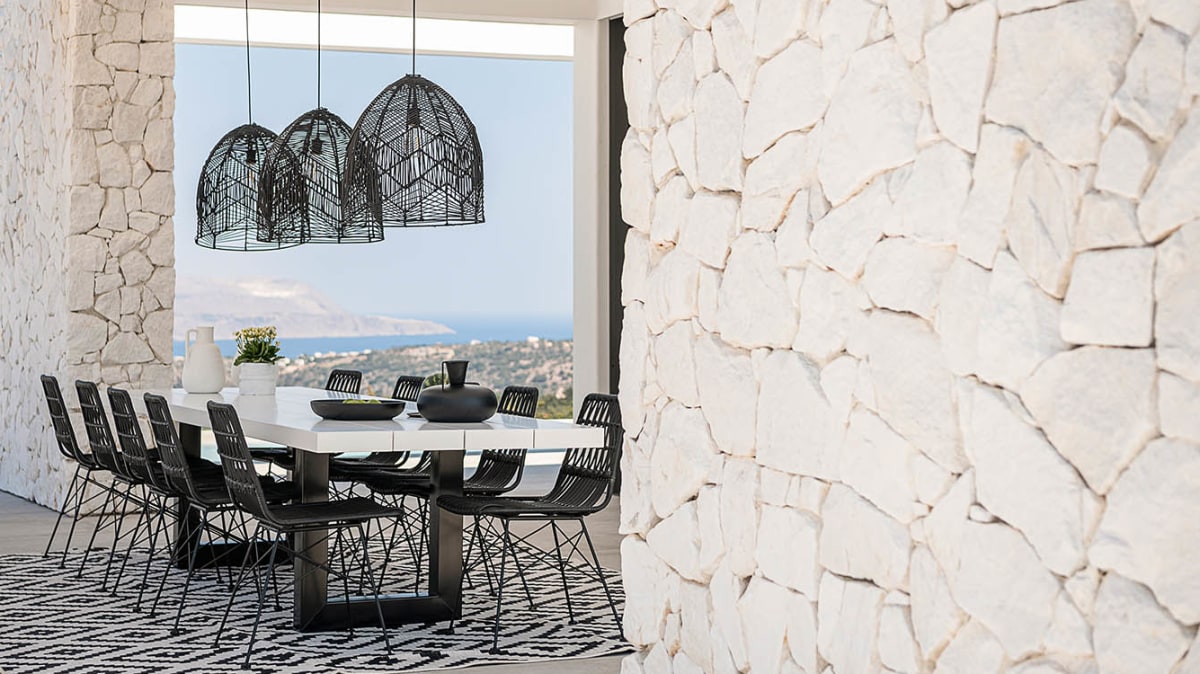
point(337, 409)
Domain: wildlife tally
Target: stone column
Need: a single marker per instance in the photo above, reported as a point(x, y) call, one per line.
point(104, 70)
point(910, 365)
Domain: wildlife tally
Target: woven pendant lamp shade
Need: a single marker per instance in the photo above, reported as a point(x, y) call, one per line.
point(227, 198)
point(415, 148)
point(311, 152)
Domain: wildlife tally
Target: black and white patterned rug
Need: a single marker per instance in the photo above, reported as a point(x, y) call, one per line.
point(53, 623)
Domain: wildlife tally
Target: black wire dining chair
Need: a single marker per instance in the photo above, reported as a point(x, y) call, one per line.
point(584, 486)
point(282, 522)
point(86, 468)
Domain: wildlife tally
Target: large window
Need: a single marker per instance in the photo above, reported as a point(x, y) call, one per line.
point(499, 293)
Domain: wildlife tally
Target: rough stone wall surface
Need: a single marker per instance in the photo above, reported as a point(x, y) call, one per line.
point(89, 107)
point(911, 349)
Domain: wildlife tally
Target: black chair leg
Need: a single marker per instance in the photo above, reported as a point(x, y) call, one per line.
point(117, 534)
point(180, 548)
point(80, 499)
point(262, 599)
point(143, 516)
point(612, 605)
point(194, 544)
point(160, 524)
point(374, 589)
point(500, 593)
point(562, 571)
point(252, 541)
point(63, 511)
point(108, 498)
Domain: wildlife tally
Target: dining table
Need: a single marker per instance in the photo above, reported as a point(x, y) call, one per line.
point(287, 419)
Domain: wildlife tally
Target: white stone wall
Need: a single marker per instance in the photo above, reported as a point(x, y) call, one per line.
point(88, 150)
point(911, 351)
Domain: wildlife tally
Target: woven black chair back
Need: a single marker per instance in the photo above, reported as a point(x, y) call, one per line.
point(138, 460)
point(170, 451)
point(240, 477)
point(500, 470)
point(408, 388)
point(64, 430)
point(585, 481)
point(99, 433)
point(344, 381)
point(519, 400)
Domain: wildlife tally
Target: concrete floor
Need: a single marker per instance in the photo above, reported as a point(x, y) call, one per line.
point(24, 526)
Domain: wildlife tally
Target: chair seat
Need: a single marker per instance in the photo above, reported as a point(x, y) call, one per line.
point(397, 485)
point(356, 509)
point(215, 493)
point(507, 506)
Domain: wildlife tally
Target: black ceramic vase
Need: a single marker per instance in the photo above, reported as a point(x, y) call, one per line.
point(454, 400)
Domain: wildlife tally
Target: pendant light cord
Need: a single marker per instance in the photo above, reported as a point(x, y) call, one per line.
point(318, 53)
point(249, 102)
point(414, 38)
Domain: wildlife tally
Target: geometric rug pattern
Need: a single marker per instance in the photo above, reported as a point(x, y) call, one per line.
point(53, 623)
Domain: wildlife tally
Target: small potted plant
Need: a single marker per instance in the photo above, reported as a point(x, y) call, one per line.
point(258, 350)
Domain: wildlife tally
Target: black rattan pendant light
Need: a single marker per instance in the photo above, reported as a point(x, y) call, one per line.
point(311, 152)
point(227, 198)
point(416, 149)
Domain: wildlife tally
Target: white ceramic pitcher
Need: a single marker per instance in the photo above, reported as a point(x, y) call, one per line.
point(203, 365)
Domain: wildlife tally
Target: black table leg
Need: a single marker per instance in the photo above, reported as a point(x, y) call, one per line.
point(187, 527)
point(445, 533)
point(311, 593)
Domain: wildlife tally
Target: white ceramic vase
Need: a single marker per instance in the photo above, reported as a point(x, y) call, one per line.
point(203, 365)
point(257, 379)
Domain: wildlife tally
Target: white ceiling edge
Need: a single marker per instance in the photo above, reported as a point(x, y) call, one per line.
point(535, 11)
point(206, 24)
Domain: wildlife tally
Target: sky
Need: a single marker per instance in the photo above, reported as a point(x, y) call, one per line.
point(516, 264)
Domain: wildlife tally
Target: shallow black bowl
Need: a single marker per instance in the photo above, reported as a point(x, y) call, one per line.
point(337, 409)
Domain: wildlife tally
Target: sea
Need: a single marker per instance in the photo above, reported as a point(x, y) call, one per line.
point(466, 330)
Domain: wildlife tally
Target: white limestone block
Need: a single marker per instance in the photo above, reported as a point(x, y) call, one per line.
point(843, 238)
point(729, 391)
point(682, 138)
point(872, 120)
point(761, 609)
point(672, 288)
point(783, 98)
point(711, 226)
point(897, 647)
point(662, 159)
point(913, 388)
point(1002, 151)
point(1168, 203)
point(1133, 634)
point(699, 13)
point(675, 363)
point(1022, 479)
point(637, 75)
point(1056, 70)
point(735, 51)
point(712, 537)
point(1041, 220)
point(670, 32)
point(1125, 162)
point(802, 633)
point(876, 462)
point(1019, 328)
point(1111, 298)
point(695, 610)
point(1106, 221)
point(637, 183)
point(676, 541)
point(974, 651)
point(707, 297)
point(847, 618)
point(634, 354)
point(791, 239)
point(719, 120)
point(136, 268)
point(787, 548)
point(636, 268)
point(932, 199)
point(1149, 96)
point(728, 640)
point(905, 275)
point(958, 54)
point(911, 19)
point(671, 206)
point(680, 459)
point(945, 525)
point(157, 58)
point(677, 86)
point(645, 577)
point(1177, 291)
point(158, 20)
point(844, 27)
point(935, 616)
point(1179, 407)
point(831, 309)
point(1097, 407)
point(778, 23)
point(85, 333)
point(860, 541)
point(797, 431)
point(1069, 633)
point(126, 348)
point(1151, 514)
point(755, 308)
point(960, 308)
point(773, 181)
point(739, 515)
point(1192, 69)
point(148, 92)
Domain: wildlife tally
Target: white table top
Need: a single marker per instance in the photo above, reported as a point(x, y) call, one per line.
point(286, 418)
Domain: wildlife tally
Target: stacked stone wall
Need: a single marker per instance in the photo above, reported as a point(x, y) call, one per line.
point(911, 348)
